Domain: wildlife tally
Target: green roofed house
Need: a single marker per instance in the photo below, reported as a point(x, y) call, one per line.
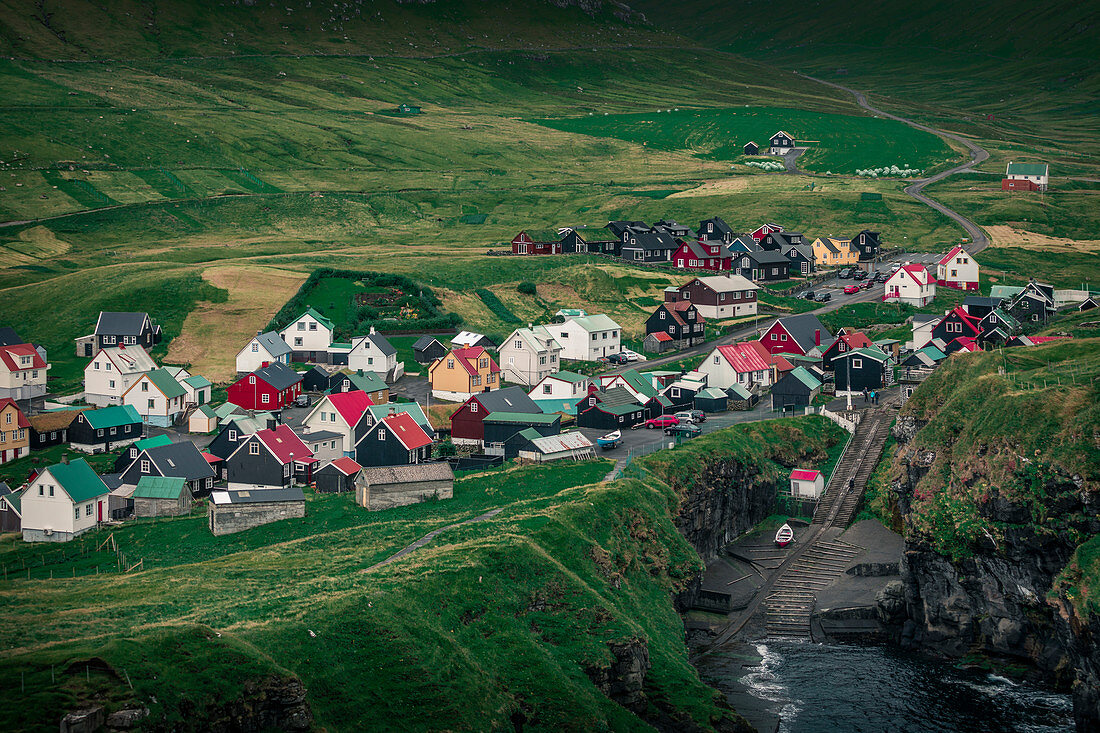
point(711, 399)
point(797, 388)
point(100, 431)
point(1026, 177)
point(500, 426)
point(63, 502)
point(309, 337)
point(1005, 292)
point(740, 398)
point(157, 397)
point(587, 338)
point(560, 391)
point(161, 496)
point(197, 388)
point(375, 413)
point(368, 382)
point(203, 419)
point(130, 454)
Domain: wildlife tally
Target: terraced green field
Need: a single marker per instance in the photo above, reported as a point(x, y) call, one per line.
point(837, 143)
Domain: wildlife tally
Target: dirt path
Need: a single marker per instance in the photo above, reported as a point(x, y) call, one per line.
point(431, 536)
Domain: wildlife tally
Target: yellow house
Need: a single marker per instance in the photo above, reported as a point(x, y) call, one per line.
point(463, 373)
point(833, 252)
point(15, 434)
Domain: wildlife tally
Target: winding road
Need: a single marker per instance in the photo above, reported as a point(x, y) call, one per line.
point(977, 154)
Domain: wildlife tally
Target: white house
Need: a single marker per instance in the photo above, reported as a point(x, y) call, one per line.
point(338, 413)
point(63, 502)
point(923, 324)
point(807, 483)
point(957, 269)
point(309, 335)
point(374, 353)
point(529, 355)
point(22, 372)
point(197, 390)
point(1037, 173)
point(157, 397)
point(261, 350)
point(559, 388)
point(587, 338)
point(912, 284)
point(113, 371)
point(746, 363)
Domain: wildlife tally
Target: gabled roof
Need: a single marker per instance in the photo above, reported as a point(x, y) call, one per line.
point(363, 381)
point(154, 442)
point(10, 355)
point(226, 409)
point(21, 419)
point(206, 411)
point(257, 496)
point(44, 422)
point(8, 336)
point(802, 474)
point(350, 405)
point(744, 357)
point(641, 384)
point(284, 445)
point(802, 374)
point(509, 399)
point(1005, 292)
point(651, 240)
point(180, 459)
point(784, 134)
point(272, 343)
point(13, 498)
point(345, 465)
point(660, 336)
point(315, 316)
point(278, 375)
point(738, 392)
point(112, 417)
point(129, 359)
point(159, 487)
point(412, 408)
point(728, 283)
point(197, 381)
point(525, 418)
point(558, 443)
point(972, 322)
point(470, 338)
point(424, 342)
point(538, 337)
point(430, 471)
point(946, 259)
point(380, 342)
point(411, 435)
point(248, 424)
point(78, 480)
point(872, 352)
point(616, 396)
point(712, 393)
point(1026, 169)
point(119, 323)
point(918, 273)
point(164, 382)
point(802, 328)
point(765, 257)
point(468, 357)
point(567, 376)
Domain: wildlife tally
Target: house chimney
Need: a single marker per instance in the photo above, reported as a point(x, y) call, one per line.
point(372, 331)
point(252, 413)
point(393, 411)
point(817, 337)
point(272, 424)
point(359, 372)
point(65, 460)
point(259, 333)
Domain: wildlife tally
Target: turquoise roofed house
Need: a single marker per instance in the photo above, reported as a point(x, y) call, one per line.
point(157, 397)
point(161, 496)
point(63, 502)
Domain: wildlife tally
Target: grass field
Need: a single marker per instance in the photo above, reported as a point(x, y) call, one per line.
point(837, 143)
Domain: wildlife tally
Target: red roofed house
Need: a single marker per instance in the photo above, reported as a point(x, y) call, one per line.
point(746, 363)
point(708, 254)
point(807, 483)
point(22, 372)
point(339, 413)
point(395, 440)
point(15, 434)
point(957, 269)
point(337, 476)
point(795, 335)
point(963, 345)
point(764, 230)
point(272, 387)
point(956, 324)
point(462, 373)
point(270, 459)
point(912, 284)
point(846, 340)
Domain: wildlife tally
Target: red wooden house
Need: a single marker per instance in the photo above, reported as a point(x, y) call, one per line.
point(956, 324)
point(795, 335)
point(707, 254)
point(538, 243)
point(1015, 184)
point(466, 421)
point(764, 230)
point(272, 387)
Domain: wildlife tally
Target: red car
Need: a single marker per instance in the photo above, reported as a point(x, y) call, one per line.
point(867, 284)
point(849, 289)
point(662, 421)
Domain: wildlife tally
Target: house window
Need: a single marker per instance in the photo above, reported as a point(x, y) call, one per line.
point(209, 482)
point(145, 466)
point(547, 389)
point(716, 360)
point(253, 449)
point(782, 337)
point(638, 254)
point(595, 337)
point(675, 391)
point(264, 399)
point(542, 360)
point(382, 434)
point(87, 510)
point(450, 363)
point(144, 386)
point(313, 327)
point(483, 363)
point(76, 512)
point(297, 340)
point(662, 315)
point(857, 363)
point(473, 407)
point(233, 436)
point(252, 379)
point(51, 489)
point(112, 383)
point(97, 366)
point(41, 490)
point(519, 344)
point(152, 404)
point(99, 433)
point(113, 431)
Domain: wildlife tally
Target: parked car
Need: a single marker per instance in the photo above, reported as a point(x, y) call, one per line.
point(684, 430)
point(882, 276)
point(695, 416)
point(617, 359)
point(808, 295)
point(849, 289)
point(633, 355)
point(662, 421)
point(823, 297)
point(859, 275)
point(302, 400)
point(895, 267)
point(845, 273)
point(867, 284)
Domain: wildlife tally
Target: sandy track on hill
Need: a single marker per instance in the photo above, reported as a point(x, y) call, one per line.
point(213, 333)
point(1006, 236)
point(714, 188)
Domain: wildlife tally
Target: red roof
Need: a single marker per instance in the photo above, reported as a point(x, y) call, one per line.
point(1043, 339)
point(468, 357)
point(21, 420)
point(346, 466)
point(411, 435)
point(350, 405)
point(662, 336)
point(285, 445)
point(744, 358)
point(800, 474)
point(210, 457)
point(966, 343)
point(856, 339)
point(947, 257)
point(968, 319)
point(10, 356)
point(918, 272)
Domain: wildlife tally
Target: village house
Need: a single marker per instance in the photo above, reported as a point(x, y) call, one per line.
point(10, 509)
point(747, 363)
point(178, 460)
point(957, 269)
point(923, 323)
point(157, 397)
point(339, 412)
point(954, 325)
point(751, 148)
point(560, 391)
point(868, 244)
point(980, 306)
point(502, 427)
point(234, 428)
point(471, 340)
point(797, 388)
point(63, 502)
point(374, 353)
point(682, 392)
point(846, 340)
point(115, 329)
point(319, 379)
point(1026, 177)
point(529, 355)
point(762, 266)
point(261, 350)
point(272, 387)
point(780, 144)
point(367, 382)
point(49, 428)
point(462, 373)
point(860, 369)
point(203, 419)
point(912, 285)
point(997, 327)
point(394, 440)
point(801, 257)
point(197, 390)
point(831, 252)
point(427, 349)
point(161, 496)
point(763, 230)
point(15, 439)
point(103, 430)
point(466, 422)
point(573, 243)
point(654, 245)
point(269, 459)
point(674, 325)
point(325, 445)
point(702, 255)
point(127, 457)
point(587, 338)
point(386, 487)
point(309, 337)
point(807, 483)
point(673, 228)
point(643, 388)
point(717, 297)
point(22, 372)
point(797, 334)
point(777, 241)
point(236, 511)
point(113, 371)
point(1034, 303)
point(546, 448)
point(535, 242)
point(337, 477)
point(610, 409)
point(374, 413)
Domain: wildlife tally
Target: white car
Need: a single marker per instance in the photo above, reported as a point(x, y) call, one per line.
point(633, 355)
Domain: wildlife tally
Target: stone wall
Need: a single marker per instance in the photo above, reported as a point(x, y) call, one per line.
point(230, 518)
point(162, 507)
point(386, 496)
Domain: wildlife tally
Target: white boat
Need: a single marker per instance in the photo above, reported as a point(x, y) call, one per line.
point(784, 536)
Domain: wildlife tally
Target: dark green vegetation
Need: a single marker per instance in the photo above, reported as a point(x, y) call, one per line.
point(1080, 580)
point(837, 143)
point(14, 473)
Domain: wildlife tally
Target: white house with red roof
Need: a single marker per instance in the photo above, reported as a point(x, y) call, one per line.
point(269, 459)
point(912, 284)
point(807, 483)
point(339, 413)
point(764, 230)
point(22, 372)
point(957, 269)
point(747, 363)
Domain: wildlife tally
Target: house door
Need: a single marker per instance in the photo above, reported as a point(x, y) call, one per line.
point(87, 350)
point(99, 511)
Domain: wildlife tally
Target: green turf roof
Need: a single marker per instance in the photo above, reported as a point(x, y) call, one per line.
point(159, 487)
point(79, 480)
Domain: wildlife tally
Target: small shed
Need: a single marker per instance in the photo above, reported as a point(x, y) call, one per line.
point(338, 476)
point(752, 148)
point(202, 420)
point(161, 496)
point(409, 109)
point(385, 487)
point(10, 511)
point(427, 349)
point(571, 445)
point(807, 484)
point(317, 379)
point(657, 342)
point(797, 388)
point(236, 511)
point(712, 399)
point(740, 398)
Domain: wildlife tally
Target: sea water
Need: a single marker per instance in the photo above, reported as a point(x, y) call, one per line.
point(819, 688)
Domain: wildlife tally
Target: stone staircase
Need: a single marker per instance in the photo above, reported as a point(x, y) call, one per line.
point(792, 599)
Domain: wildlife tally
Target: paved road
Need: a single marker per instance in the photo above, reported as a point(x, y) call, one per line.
point(977, 154)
